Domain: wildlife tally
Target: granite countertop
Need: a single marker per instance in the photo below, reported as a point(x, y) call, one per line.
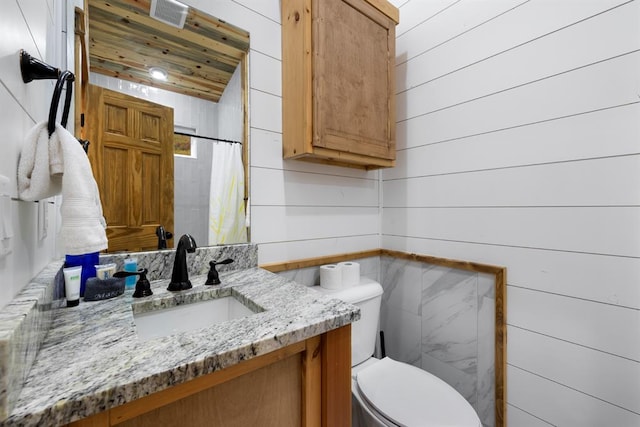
point(92, 359)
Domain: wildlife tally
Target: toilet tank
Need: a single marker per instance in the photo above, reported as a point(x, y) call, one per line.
point(367, 295)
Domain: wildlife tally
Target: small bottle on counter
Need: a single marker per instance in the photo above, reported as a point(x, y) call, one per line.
point(72, 284)
point(130, 264)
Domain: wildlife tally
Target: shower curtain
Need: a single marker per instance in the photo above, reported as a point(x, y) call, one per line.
point(227, 219)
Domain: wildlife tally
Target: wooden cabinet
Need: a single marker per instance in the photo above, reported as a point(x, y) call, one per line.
point(304, 384)
point(338, 81)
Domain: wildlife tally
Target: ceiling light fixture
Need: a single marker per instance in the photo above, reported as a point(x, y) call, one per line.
point(158, 73)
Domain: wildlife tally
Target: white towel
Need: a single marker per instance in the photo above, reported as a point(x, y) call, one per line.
point(58, 164)
point(38, 160)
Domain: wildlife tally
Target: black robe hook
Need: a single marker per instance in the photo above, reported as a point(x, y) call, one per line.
point(65, 77)
point(33, 69)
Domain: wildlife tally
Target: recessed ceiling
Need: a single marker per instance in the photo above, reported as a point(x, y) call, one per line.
point(124, 42)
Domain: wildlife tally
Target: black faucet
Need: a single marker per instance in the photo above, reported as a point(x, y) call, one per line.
point(180, 276)
point(163, 235)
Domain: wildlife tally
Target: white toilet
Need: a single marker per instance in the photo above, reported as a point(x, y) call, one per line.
point(390, 393)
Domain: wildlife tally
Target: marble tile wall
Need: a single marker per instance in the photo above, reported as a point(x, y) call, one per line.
point(442, 320)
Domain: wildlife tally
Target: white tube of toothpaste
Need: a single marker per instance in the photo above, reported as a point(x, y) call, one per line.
point(72, 285)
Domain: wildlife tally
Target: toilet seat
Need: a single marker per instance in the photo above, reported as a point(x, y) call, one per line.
point(409, 396)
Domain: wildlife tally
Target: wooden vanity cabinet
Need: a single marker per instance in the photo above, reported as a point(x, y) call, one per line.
point(338, 82)
point(304, 384)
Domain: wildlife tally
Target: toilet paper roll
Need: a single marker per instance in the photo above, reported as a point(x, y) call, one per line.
point(350, 273)
point(330, 276)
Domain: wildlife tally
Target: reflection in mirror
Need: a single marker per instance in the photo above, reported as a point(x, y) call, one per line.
point(206, 90)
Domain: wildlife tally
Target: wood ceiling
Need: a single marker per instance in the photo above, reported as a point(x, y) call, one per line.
point(124, 42)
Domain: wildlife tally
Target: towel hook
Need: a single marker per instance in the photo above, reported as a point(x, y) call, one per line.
point(33, 69)
point(65, 77)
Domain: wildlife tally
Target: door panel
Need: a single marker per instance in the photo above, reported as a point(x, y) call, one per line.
point(151, 165)
point(132, 159)
point(353, 83)
point(113, 186)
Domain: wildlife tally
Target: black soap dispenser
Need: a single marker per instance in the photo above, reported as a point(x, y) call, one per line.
point(143, 287)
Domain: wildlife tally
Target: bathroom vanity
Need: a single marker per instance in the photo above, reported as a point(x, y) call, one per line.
point(285, 364)
point(299, 385)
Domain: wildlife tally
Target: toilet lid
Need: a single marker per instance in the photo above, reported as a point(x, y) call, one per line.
point(409, 396)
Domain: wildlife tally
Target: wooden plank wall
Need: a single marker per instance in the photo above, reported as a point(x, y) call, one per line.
point(518, 137)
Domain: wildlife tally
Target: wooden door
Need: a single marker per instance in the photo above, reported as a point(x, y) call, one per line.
point(131, 154)
point(353, 84)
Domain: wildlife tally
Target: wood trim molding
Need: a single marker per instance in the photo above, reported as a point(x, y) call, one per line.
point(500, 361)
point(318, 261)
point(444, 262)
point(311, 377)
point(499, 272)
point(336, 377)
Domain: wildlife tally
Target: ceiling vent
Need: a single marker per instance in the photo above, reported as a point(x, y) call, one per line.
point(170, 12)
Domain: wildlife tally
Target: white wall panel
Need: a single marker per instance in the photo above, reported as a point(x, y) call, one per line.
point(414, 13)
point(519, 144)
point(282, 251)
point(17, 125)
point(613, 379)
point(266, 111)
point(611, 132)
point(607, 279)
point(23, 105)
point(599, 230)
point(264, 32)
point(616, 33)
point(38, 19)
point(291, 223)
point(35, 97)
point(578, 183)
point(520, 418)
point(268, 9)
point(450, 22)
point(298, 209)
point(610, 83)
point(590, 324)
point(262, 68)
point(505, 32)
point(560, 405)
point(266, 148)
point(31, 254)
point(275, 187)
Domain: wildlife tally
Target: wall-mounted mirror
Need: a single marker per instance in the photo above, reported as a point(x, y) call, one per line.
point(130, 117)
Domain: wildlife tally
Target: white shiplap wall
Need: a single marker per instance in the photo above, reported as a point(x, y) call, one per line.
point(298, 210)
point(31, 26)
point(519, 145)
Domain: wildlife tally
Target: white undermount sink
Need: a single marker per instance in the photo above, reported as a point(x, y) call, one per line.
point(188, 317)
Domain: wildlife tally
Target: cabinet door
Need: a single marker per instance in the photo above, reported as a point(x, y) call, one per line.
point(353, 81)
